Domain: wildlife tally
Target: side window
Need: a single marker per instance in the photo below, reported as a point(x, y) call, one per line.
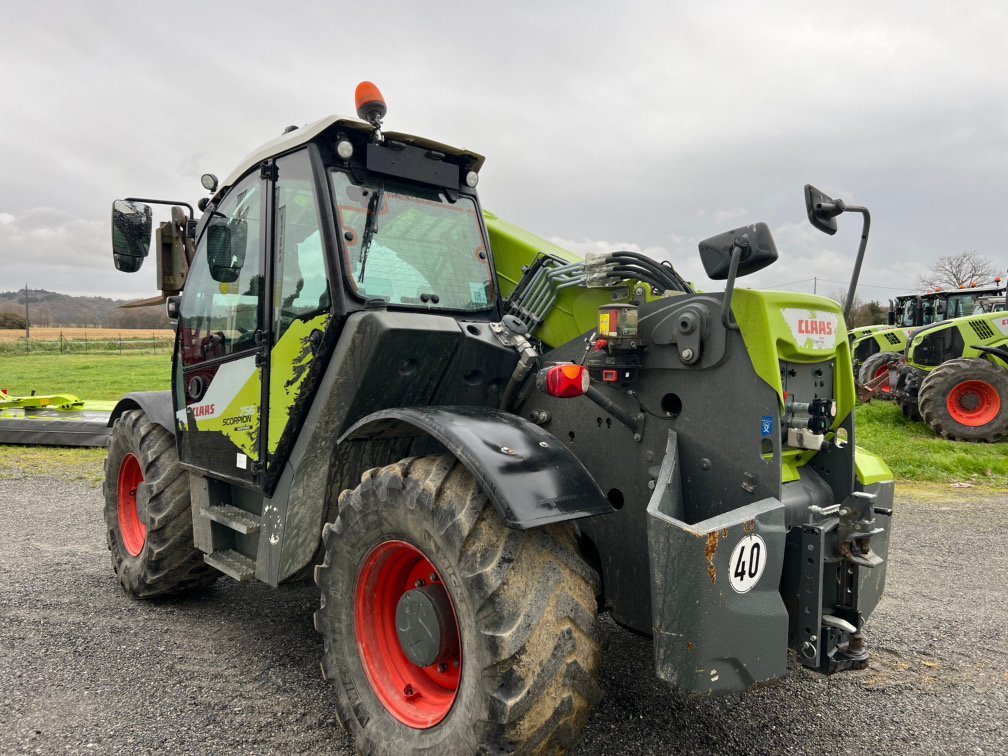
point(301, 284)
point(221, 307)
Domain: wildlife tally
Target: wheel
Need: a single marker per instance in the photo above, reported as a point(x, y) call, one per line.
point(906, 390)
point(444, 630)
point(148, 517)
point(910, 410)
point(966, 400)
point(875, 366)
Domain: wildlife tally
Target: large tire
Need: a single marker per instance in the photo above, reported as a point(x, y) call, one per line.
point(966, 400)
point(875, 366)
point(525, 619)
point(152, 550)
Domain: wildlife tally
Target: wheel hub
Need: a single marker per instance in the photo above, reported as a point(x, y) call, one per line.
point(425, 625)
point(407, 634)
point(974, 403)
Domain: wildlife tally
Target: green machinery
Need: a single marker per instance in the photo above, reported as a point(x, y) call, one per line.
point(875, 348)
point(474, 442)
point(954, 375)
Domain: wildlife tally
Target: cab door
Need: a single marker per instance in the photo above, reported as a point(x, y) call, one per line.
point(300, 302)
point(219, 352)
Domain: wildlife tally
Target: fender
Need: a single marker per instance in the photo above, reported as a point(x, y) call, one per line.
point(531, 478)
point(157, 405)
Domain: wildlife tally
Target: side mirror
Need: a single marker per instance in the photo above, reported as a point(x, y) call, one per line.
point(226, 249)
point(757, 251)
point(131, 234)
point(822, 209)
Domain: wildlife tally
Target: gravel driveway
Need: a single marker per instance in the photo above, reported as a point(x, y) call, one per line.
point(84, 669)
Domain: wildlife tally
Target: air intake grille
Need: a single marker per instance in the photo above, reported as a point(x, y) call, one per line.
point(892, 338)
point(983, 330)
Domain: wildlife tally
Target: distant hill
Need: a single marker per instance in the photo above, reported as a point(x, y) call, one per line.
point(50, 308)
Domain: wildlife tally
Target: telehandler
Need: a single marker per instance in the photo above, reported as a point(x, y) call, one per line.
point(475, 441)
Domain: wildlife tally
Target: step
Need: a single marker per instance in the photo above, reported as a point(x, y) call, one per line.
point(234, 518)
point(231, 563)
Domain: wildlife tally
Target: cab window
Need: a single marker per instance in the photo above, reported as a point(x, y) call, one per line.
point(413, 246)
point(221, 307)
point(302, 287)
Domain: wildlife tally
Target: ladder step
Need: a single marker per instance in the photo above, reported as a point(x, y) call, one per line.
point(234, 518)
point(231, 563)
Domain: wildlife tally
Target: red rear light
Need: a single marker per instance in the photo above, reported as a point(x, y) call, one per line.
point(563, 381)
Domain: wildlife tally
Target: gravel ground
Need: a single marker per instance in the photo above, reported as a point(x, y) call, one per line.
point(84, 669)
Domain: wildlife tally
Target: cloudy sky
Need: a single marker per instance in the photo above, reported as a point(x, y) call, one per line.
point(633, 125)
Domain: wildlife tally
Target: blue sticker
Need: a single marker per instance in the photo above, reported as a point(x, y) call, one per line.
point(766, 426)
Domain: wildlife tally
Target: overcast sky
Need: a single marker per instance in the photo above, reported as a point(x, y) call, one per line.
point(634, 125)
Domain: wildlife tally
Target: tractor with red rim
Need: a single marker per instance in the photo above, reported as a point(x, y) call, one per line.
point(475, 442)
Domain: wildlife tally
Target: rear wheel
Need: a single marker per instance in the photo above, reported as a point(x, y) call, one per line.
point(876, 366)
point(447, 632)
point(966, 400)
point(148, 517)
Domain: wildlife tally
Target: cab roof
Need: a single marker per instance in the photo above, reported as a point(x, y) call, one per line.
point(297, 137)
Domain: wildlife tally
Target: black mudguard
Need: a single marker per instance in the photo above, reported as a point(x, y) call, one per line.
point(531, 478)
point(157, 405)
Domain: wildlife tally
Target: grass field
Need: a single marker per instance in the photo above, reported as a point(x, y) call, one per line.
point(912, 451)
point(102, 376)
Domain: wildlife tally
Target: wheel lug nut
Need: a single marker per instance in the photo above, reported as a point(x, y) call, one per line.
point(419, 583)
point(442, 668)
point(433, 577)
point(455, 664)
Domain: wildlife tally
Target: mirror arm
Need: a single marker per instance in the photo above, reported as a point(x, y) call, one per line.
point(726, 314)
point(860, 257)
point(192, 214)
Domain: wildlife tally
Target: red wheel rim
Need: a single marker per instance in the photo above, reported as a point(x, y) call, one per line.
point(419, 697)
point(134, 532)
point(974, 403)
point(883, 370)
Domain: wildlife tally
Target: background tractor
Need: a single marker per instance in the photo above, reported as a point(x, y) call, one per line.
point(474, 441)
point(954, 375)
point(876, 348)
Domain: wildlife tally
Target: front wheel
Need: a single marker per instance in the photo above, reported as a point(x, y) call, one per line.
point(447, 632)
point(148, 516)
point(966, 400)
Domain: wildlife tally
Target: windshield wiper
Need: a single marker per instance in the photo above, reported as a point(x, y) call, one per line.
point(370, 225)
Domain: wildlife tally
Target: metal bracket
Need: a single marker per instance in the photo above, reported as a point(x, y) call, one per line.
point(810, 594)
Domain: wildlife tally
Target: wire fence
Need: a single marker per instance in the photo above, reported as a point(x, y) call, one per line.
point(128, 343)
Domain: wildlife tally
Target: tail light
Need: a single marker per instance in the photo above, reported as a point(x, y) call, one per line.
point(563, 381)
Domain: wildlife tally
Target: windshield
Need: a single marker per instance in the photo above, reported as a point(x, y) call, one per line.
point(413, 247)
point(959, 305)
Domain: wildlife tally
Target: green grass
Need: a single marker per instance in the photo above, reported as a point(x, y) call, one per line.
point(85, 376)
point(916, 454)
point(107, 377)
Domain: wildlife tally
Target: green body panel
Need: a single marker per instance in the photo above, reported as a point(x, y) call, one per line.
point(856, 333)
point(47, 401)
point(576, 308)
point(769, 338)
point(870, 468)
point(994, 326)
point(290, 359)
point(888, 338)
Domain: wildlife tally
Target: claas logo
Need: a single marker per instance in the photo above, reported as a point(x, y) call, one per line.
point(812, 327)
point(202, 410)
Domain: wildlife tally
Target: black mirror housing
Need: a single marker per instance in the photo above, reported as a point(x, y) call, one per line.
point(132, 223)
point(757, 251)
point(822, 210)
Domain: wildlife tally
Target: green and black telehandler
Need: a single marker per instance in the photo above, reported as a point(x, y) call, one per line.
point(475, 441)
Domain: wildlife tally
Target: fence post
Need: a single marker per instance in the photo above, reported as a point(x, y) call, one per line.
point(61, 342)
point(153, 339)
point(85, 342)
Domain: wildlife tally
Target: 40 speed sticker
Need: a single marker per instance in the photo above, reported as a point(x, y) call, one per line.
point(747, 561)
